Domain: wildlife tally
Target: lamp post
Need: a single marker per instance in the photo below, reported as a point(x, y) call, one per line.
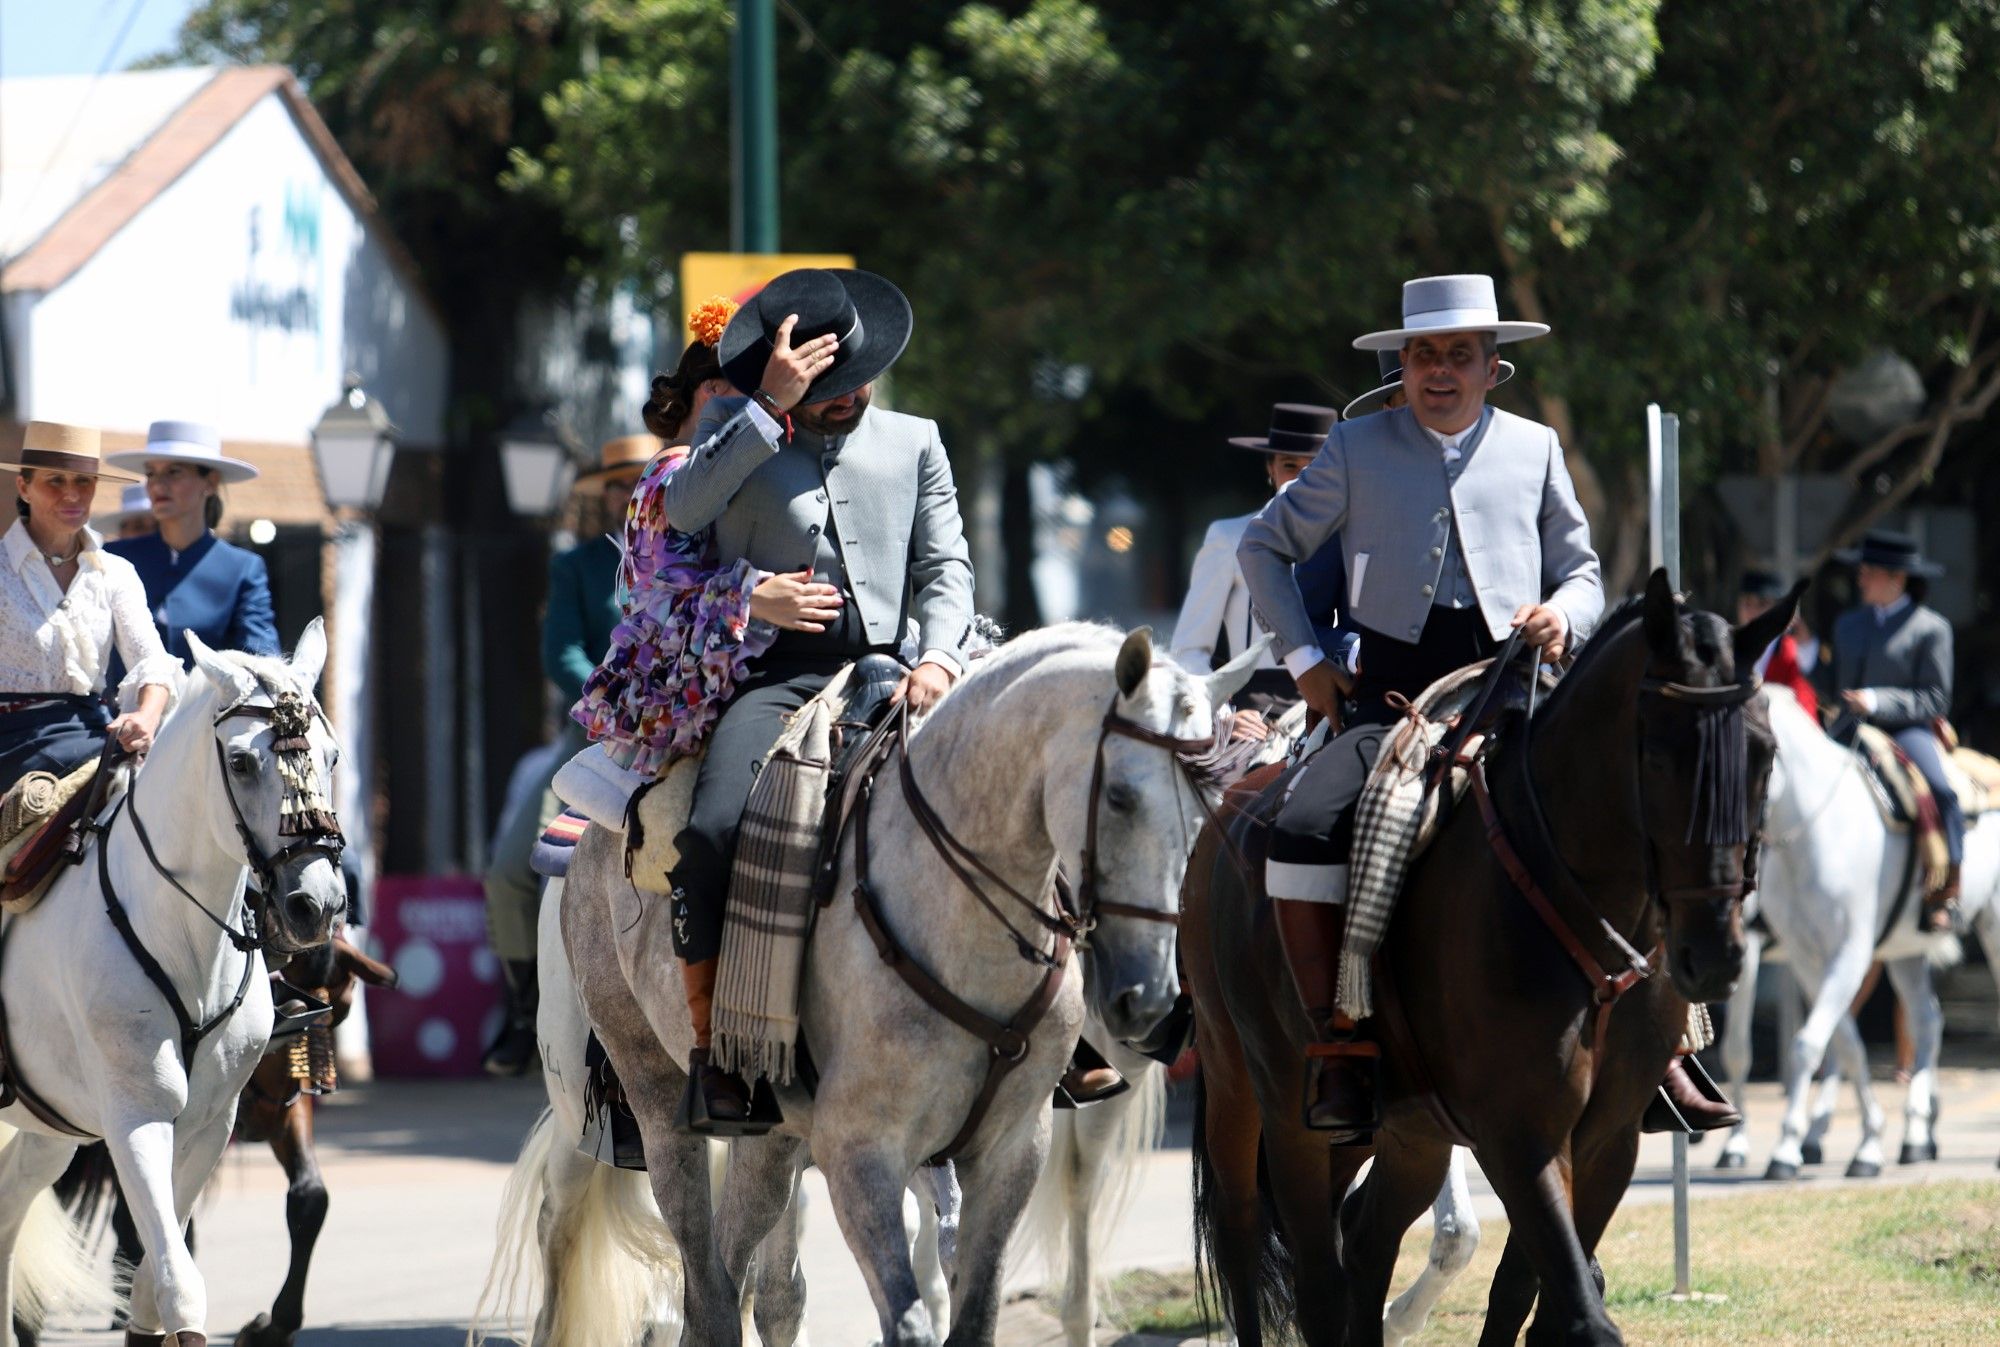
point(353, 444)
point(536, 464)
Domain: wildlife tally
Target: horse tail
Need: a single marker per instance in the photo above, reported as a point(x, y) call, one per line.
point(1272, 1275)
point(616, 1272)
point(1102, 1175)
point(55, 1263)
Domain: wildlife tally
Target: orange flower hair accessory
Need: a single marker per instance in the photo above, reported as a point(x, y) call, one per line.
point(710, 317)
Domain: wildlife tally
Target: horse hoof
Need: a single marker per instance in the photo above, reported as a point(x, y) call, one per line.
point(1810, 1153)
point(1910, 1154)
point(260, 1332)
point(1780, 1172)
point(1732, 1160)
point(1863, 1169)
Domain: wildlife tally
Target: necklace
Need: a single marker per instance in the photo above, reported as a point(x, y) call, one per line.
point(55, 561)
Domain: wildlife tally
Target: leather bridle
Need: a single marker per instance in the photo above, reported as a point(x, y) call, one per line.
point(1068, 924)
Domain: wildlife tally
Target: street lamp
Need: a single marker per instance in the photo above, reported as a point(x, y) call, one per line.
point(535, 464)
point(352, 445)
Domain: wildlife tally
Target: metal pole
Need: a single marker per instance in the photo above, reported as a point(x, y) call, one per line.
point(1663, 479)
point(753, 129)
point(1683, 1258)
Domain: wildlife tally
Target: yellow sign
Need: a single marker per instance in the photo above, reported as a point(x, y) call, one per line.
point(741, 275)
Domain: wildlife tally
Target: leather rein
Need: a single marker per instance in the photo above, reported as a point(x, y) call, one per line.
point(1606, 987)
point(247, 938)
point(1069, 925)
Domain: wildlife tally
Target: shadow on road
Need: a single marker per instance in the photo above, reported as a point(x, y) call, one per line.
point(478, 1119)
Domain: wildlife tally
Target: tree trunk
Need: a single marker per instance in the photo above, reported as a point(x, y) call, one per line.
point(1023, 611)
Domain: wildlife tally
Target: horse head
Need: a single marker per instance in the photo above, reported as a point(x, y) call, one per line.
point(270, 794)
point(1148, 801)
point(1705, 754)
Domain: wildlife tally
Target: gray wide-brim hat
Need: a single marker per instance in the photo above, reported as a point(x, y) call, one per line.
point(184, 442)
point(1390, 364)
point(1434, 304)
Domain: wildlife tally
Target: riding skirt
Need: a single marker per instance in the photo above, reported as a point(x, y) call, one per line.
point(49, 732)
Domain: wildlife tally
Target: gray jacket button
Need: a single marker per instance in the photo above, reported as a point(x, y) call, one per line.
point(1429, 590)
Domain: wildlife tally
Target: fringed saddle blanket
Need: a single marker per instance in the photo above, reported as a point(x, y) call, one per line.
point(769, 917)
point(30, 807)
point(1393, 822)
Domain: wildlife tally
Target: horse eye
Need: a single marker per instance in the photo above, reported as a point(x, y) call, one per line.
point(1121, 798)
point(242, 761)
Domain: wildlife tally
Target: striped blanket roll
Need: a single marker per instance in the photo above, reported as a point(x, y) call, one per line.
point(770, 910)
point(1388, 822)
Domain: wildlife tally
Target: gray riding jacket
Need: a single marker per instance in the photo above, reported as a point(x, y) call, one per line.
point(874, 512)
point(1507, 502)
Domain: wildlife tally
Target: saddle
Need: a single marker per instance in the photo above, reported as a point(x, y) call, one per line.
point(1904, 798)
point(41, 820)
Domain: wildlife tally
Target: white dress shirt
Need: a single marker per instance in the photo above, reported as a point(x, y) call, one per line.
point(52, 641)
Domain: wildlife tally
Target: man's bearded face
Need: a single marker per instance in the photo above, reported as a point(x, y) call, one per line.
point(835, 416)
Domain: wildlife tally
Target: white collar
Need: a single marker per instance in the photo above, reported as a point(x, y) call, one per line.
point(1451, 443)
point(1883, 614)
point(20, 544)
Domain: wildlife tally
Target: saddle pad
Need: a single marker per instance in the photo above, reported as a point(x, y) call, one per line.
point(768, 919)
point(1394, 821)
point(1904, 798)
point(553, 849)
point(597, 787)
point(1977, 777)
point(38, 808)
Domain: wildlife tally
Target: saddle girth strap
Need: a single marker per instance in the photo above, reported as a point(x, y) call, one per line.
point(1605, 988)
point(1007, 1044)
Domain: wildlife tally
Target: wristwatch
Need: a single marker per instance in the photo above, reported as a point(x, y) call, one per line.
point(770, 403)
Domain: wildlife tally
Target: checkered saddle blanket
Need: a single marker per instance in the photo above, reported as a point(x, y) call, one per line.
point(1393, 823)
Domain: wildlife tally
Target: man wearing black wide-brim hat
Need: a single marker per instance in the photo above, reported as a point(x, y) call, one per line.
point(1892, 664)
point(805, 475)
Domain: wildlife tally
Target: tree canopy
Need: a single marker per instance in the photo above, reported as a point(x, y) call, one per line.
point(1720, 206)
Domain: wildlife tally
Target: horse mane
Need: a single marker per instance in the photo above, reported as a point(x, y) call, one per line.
point(1628, 612)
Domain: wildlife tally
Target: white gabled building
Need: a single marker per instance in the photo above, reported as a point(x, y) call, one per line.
point(191, 243)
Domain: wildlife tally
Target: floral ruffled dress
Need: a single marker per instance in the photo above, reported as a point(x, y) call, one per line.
point(684, 645)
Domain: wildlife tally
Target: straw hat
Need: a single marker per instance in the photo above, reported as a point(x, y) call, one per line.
point(54, 447)
point(619, 455)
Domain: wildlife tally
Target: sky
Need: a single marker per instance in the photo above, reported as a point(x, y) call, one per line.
point(73, 37)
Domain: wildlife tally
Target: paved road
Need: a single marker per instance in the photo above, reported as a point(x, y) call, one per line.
point(416, 1170)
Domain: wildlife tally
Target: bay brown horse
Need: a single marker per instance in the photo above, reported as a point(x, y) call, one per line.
point(1631, 809)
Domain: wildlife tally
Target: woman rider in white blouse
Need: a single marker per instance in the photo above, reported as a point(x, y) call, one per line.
point(64, 605)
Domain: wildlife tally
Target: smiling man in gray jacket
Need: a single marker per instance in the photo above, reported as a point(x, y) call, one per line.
point(1459, 523)
point(807, 476)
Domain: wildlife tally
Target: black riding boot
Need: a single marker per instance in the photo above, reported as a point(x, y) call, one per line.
point(514, 1052)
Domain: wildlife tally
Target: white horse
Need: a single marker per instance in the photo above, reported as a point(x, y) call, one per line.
point(1828, 883)
point(156, 1070)
point(1010, 763)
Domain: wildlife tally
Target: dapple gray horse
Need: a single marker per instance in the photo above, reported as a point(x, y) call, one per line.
point(1010, 763)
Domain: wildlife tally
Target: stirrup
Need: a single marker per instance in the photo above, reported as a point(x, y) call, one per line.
point(1663, 1115)
point(1085, 1059)
point(764, 1113)
point(1353, 1132)
point(290, 1023)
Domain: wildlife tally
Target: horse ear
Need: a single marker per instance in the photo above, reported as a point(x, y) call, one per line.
point(1135, 661)
point(309, 658)
point(1230, 679)
point(1754, 637)
point(1663, 620)
point(234, 683)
